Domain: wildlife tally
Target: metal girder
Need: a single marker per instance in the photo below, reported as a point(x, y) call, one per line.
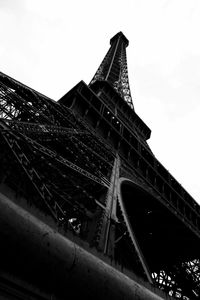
point(181, 281)
point(11, 140)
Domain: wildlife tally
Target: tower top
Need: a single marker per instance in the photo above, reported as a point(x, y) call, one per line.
point(113, 68)
point(121, 36)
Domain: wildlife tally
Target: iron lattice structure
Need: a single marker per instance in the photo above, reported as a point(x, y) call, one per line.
point(113, 68)
point(84, 162)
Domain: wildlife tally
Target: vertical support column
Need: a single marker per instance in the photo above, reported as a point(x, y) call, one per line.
point(108, 226)
point(111, 63)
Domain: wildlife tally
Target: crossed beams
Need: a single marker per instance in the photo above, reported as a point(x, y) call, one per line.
point(172, 280)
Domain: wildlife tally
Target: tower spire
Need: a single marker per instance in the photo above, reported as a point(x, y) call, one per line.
point(113, 68)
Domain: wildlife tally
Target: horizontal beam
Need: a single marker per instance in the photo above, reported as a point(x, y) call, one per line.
point(35, 252)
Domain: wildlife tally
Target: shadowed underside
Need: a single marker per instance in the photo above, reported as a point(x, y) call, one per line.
point(82, 168)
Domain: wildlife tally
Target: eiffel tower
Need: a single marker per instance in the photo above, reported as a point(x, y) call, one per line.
point(86, 209)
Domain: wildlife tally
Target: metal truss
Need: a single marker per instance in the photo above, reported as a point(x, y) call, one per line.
point(114, 68)
point(56, 161)
point(72, 174)
point(20, 103)
point(182, 281)
point(50, 175)
point(62, 165)
point(66, 169)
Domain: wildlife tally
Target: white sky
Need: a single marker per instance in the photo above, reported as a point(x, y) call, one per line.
point(51, 45)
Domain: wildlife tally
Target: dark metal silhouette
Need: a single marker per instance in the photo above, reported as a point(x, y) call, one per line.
point(113, 68)
point(83, 165)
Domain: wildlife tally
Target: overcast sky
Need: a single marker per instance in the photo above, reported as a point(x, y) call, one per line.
point(50, 45)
